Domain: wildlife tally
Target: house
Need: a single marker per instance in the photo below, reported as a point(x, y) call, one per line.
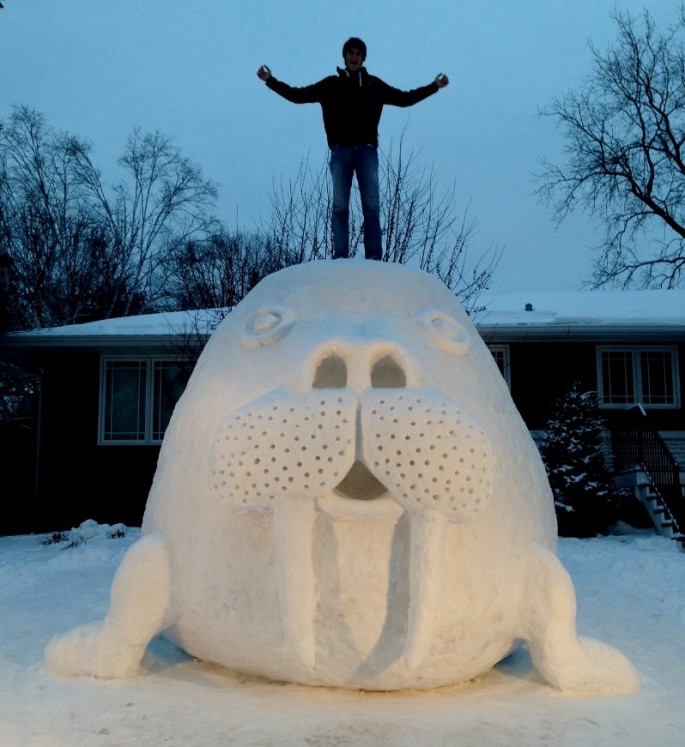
point(106, 391)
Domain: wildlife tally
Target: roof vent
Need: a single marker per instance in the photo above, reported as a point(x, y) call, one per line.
point(529, 307)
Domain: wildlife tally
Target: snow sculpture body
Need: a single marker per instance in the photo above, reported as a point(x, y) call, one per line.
point(347, 496)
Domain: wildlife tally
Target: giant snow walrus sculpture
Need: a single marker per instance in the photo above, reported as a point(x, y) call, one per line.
point(347, 496)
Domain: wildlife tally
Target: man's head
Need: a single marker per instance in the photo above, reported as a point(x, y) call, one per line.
point(354, 53)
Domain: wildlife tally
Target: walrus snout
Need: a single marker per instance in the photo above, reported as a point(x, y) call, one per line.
point(413, 443)
point(288, 451)
point(371, 366)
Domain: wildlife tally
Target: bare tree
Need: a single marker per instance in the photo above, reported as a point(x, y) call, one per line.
point(299, 229)
point(167, 202)
point(425, 228)
point(75, 250)
point(625, 132)
point(215, 273)
point(46, 222)
point(420, 226)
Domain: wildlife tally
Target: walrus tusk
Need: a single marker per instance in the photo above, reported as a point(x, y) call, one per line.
point(425, 577)
point(293, 528)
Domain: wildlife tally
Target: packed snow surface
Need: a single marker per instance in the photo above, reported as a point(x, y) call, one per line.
point(629, 589)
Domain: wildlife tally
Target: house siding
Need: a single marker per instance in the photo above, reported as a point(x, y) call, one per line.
point(78, 479)
point(542, 372)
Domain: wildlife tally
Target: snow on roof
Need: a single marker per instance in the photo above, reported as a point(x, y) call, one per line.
point(539, 310)
point(175, 323)
point(598, 308)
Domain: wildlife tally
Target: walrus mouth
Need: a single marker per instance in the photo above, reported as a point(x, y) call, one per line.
point(359, 484)
point(294, 454)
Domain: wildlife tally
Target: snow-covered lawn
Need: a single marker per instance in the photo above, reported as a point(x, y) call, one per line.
point(631, 593)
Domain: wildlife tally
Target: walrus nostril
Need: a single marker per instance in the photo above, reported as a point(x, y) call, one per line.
point(387, 372)
point(331, 373)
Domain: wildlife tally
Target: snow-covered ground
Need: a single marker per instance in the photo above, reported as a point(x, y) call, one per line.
point(630, 593)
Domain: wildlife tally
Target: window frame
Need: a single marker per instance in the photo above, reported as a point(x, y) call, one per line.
point(150, 414)
point(505, 369)
point(636, 352)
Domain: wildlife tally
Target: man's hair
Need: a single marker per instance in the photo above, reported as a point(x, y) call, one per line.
point(355, 42)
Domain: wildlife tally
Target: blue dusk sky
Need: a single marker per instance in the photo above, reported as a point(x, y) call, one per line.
point(98, 68)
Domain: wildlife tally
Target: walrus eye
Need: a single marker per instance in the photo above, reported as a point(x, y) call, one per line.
point(266, 322)
point(446, 332)
point(267, 326)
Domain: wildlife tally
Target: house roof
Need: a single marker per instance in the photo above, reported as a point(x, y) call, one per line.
point(584, 315)
point(144, 329)
point(538, 315)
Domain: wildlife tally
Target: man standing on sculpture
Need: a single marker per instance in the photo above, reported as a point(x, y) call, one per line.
point(352, 102)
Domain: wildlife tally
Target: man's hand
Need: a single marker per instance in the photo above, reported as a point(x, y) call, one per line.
point(264, 73)
point(441, 80)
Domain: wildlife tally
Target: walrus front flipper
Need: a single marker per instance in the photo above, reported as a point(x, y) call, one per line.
point(568, 662)
point(139, 605)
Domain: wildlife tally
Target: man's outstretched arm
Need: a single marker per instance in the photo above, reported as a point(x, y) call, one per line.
point(396, 97)
point(305, 95)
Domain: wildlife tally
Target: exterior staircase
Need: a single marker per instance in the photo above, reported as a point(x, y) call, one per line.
point(644, 463)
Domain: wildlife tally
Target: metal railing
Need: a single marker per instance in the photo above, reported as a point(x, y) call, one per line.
point(637, 444)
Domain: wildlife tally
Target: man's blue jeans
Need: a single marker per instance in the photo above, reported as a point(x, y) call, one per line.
point(346, 161)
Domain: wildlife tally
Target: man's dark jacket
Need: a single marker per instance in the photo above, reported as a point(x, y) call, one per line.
point(351, 103)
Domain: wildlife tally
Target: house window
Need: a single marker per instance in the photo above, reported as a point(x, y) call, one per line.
point(635, 375)
point(138, 396)
point(501, 355)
